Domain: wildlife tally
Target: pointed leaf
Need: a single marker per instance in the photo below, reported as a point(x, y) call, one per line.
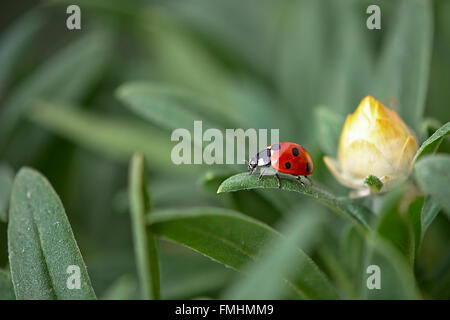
point(350, 209)
point(43, 253)
point(432, 143)
point(405, 62)
point(234, 240)
point(433, 174)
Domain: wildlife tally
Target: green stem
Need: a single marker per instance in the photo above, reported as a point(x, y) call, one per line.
point(144, 240)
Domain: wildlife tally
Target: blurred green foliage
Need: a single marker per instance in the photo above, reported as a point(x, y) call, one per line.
point(76, 105)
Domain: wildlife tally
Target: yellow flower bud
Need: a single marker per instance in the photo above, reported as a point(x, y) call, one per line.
point(374, 141)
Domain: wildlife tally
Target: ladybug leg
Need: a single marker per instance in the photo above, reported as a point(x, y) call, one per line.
point(300, 181)
point(309, 180)
point(261, 174)
point(278, 180)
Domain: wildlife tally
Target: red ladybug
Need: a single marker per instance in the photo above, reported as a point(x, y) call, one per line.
point(285, 157)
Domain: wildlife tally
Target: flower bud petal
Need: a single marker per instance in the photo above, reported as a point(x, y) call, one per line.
point(374, 141)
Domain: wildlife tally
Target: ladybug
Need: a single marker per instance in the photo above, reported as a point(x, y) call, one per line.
point(283, 157)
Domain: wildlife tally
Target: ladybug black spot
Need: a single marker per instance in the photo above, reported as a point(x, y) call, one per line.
point(275, 147)
point(308, 167)
point(287, 165)
point(295, 152)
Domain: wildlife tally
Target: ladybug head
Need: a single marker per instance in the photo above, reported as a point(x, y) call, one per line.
point(252, 164)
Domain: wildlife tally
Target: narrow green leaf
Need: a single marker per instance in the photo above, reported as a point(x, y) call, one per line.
point(234, 240)
point(154, 100)
point(14, 40)
point(329, 125)
point(349, 208)
point(430, 210)
point(432, 143)
point(6, 181)
point(45, 260)
point(414, 216)
point(393, 227)
point(396, 276)
point(351, 250)
point(433, 175)
point(6, 287)
point(64, 77)
point(404, 64)
point(144, 241)
point(279, 260)
point(113, 136)
point(167, 108)
point(299, 68)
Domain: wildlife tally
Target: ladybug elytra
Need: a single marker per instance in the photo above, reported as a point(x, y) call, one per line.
point(284, 157)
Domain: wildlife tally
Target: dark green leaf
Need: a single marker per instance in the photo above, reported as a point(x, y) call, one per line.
point(433, 175)
point(432, 143)
point(144, 241)
point(404, 64)
point(349, 208)
point(393, 227)
point(6, 181)
point(41, 244)
point(234, 240)
point(278, 262)
point(414, 217)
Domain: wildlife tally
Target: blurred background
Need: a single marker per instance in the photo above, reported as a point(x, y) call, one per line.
point(253, 64)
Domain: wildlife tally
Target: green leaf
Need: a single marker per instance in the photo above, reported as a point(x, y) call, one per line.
point(430, 210)
point(280, 260)
point(329, 126)
point(299, 69)
point(64, 77)
point(187, 274)
point(6, 287)
point(6, 181)
point(166, 107)
point(144, 241)
point(350, 209)
point(155, 102)
point(393, 227)
point(414, 217)
point(118, 137)
point(234, 240)
point(14, 40)
point(396, 276)
point(41, 244)
point(405, 61)
point(432, 143)
point(433, 175)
